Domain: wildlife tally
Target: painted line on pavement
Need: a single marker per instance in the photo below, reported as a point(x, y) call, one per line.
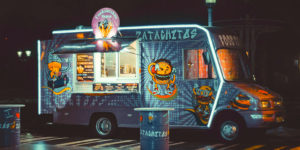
point(254, 147)
point(85, 143)
point(130, 145)
point(113, 143)
point(76, 142)
point(178, 143)
point(35, 139)
point(45, 140)
point(210, 147)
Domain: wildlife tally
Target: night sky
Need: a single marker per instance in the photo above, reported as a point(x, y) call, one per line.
point(37, 18)
point(23, 22)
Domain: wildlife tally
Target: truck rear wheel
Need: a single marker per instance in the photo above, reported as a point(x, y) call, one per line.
point(104, 126)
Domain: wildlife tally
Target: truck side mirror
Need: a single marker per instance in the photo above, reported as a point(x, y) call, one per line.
point(206, 58)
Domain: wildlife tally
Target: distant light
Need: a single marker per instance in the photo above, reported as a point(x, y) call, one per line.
point(19, 53)
point(210, 1)
point(296, 62)
point(28, 53)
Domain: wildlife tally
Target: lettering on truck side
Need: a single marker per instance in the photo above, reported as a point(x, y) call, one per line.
point(162, 35)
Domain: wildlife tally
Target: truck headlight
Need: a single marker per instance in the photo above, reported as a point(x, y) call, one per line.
point(264, 104)
point(277, 103)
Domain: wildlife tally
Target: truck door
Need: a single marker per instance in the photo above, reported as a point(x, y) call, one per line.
point(199, 84)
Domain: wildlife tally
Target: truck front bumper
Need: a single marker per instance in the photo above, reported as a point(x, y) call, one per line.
point(263, 119)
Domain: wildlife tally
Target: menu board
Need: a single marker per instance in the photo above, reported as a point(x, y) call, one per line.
point(116, 87)
point(85, 67)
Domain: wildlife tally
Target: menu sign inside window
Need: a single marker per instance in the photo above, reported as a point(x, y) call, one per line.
point(85, 67)
point(116, 87)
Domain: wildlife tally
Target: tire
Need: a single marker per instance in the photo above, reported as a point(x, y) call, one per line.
point(104, 126)
point(229, 130)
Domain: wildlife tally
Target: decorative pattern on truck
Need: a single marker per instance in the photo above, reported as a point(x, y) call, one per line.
point(204, 102)
point(56, 77)
point(116, 87)
point(163, 76)
point(240, 102)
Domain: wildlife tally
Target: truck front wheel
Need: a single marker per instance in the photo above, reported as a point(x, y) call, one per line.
point(104, 126)
point(229, 130)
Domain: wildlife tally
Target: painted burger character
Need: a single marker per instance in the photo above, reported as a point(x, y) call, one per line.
point(162, 73)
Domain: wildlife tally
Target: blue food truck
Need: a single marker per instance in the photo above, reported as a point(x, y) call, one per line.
point(201, 72)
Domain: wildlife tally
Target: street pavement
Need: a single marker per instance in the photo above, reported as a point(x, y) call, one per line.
point(66, 138)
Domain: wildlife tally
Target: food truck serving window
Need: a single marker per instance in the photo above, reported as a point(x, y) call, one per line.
point(102, 72)
point(108, 65)
point(195, 65)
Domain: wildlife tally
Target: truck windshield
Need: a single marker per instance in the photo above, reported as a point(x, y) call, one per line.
point(234, 65)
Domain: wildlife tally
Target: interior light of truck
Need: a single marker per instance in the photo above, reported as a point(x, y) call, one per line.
point(79, 35)
point(265, 104)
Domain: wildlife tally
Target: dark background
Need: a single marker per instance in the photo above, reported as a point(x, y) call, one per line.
point(22, 23)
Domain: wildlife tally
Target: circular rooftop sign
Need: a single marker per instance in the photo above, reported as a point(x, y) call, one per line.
point(105, 23)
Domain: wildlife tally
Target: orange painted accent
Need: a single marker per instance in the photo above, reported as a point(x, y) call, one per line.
point(254, 90)
point(226, 92)
point(150, 118)
point(54, 67)
point(263, 91)
point(13, 125)
point(79, 35)
point(238, 107)
point(42, 55)
point(244, 102)
point(57, 93)
point(18, 115)
point(141, 118)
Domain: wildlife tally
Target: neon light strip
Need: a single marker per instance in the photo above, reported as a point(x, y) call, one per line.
point(175, 26)
point(219, 74)
point(39, 76)
point(71, 31)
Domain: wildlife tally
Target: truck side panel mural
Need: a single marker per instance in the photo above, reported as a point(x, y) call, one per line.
point(173, 73)
point(56, 75)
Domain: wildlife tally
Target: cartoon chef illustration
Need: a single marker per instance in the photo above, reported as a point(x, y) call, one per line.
point(56, 79)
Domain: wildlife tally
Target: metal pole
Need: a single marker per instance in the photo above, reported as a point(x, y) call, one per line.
point(209, 9)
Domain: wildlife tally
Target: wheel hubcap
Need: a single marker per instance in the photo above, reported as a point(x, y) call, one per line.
point(229, 130)
point(103, 126)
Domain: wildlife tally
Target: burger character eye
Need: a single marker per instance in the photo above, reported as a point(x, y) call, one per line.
point(161, 69)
